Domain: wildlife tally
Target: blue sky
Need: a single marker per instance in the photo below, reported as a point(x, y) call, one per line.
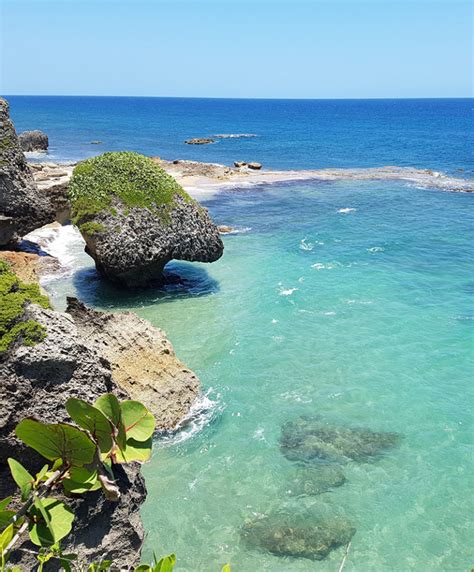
point(237, 48)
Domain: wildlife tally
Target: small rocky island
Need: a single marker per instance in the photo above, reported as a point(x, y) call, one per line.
point(135, 218)
point(33, 141)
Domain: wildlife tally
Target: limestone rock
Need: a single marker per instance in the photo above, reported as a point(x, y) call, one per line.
point(33, 141)
point(315, 480)
point(309, 439)
point(301, 535)
point(135, 218)
point(199, 141)
point(19, 197)
point(37, 381)
point(254, 166)
point(142, 360)
point(240, 164)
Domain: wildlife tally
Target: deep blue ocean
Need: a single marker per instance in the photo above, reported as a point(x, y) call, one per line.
point(347, 300)
point(290, 134)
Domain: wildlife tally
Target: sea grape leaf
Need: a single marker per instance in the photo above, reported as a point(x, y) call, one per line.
point(22, 478)
point(5, 502)
point(226, 568)
point(60, 518)
point(91, 418)
point(110, 407)
point(139, 422)
point(6, 537)
point(139, 451)
point(57, 441)
point(81, 480)
point(166, 564)
point(5, 517)
point(42, 475)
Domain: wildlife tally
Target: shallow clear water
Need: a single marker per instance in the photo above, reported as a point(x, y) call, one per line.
point(363, 317)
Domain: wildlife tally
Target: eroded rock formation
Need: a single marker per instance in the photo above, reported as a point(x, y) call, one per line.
point(33, 141)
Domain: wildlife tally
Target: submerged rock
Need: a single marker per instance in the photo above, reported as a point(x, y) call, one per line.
point(304, 535)
point(142, 360)
point(33, 141)
point(135, 218)
point(22, 207)
point(309, 439)
point(314, 480)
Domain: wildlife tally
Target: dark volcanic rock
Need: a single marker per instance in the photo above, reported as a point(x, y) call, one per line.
point(37, 381)
point(309, 439)
point(254, 166)
point(144, 219)
point(303, 535)
point(199, 141)
point(315, 480)
point(33, 141)
point(19, 197)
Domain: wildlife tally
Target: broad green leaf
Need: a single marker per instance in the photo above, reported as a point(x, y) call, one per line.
point(139, 422)
point(166, 564)
point(5, 502)
point(6, 537)
point(226, 568)
point(81, 480)
point(92, 419)
point(110, 407)
point(60, 518)
point(5, 517)
point(57, 441)
point(143, 568)
point(22, 478)
point(139, 451)
point(42, 475)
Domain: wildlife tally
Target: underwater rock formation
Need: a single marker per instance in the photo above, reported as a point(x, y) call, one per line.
point(22, 207)
point(308, 439)
point(314, 480)
point(33, 141)
point(135, 218)
point(142, 360)
point(303, 535)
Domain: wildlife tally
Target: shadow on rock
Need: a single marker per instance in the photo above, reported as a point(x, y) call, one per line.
point(308, 439)
point(183, 280)
point(303, 535)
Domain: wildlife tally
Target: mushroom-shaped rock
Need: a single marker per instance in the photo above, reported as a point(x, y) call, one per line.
point(135, 218)
point(22, 207)
point(33, 141)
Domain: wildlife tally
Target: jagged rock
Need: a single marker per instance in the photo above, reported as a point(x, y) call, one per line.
point(19, 197)
point(199, 141)
point(254, 166)
point(315, 480)
point(7, 230)
point(33, 141)
point(310, 439)
point(239, 164)
point(301, 535)
point(37, 381)
point(28, 266)
point(142, 360)
point(135, 218)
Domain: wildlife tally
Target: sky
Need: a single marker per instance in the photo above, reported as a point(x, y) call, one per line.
point(237, 48)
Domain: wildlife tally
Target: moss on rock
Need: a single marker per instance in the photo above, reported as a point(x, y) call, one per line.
point(14, 295)
point(101, 183)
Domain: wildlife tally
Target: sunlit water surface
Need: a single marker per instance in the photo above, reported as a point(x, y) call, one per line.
point(347, 300)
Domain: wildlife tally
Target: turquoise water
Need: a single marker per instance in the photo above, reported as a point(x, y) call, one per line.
point(363, 317)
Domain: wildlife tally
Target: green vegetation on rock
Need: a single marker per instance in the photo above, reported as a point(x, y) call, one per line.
point(104, 183)
point(14, 295)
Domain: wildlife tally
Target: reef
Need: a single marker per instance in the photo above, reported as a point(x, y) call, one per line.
point(315, 480)
point(309, 439)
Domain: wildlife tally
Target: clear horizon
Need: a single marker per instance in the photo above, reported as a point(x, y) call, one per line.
point(411, 49)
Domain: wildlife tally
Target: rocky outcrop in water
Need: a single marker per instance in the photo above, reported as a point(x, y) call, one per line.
point(315, 480)
point(309, 439)
point(37, 381)
point(305, 534)
point(142, 361)
point(24, 207)
point(199, 141)
point(33, 141)
point(135, 218)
